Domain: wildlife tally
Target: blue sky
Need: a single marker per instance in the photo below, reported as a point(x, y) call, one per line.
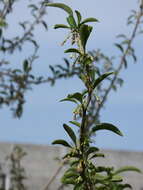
point(44, 114)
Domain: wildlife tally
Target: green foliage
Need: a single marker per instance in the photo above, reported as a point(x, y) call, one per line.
point(2, 23)
point(84, 33)
point(61, 142)
point(127, 168)
point(79, 17)
point(61, 6)
point(60, 26)
point(83, 174)
point(107, 126)
point(75, 123)
point(70, 133)
point(72, 50)
point(101, 78)
point(89, 20)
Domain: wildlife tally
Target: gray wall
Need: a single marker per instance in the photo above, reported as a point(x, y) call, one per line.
point(41, 164)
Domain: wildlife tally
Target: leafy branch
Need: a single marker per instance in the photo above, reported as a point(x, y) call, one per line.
point(126, 49)
point(83, 174)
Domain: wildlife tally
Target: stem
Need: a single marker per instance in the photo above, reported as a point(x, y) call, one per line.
point(83, 143)
point(6, 9)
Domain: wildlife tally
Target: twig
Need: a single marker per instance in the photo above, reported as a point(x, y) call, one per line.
point(28, 32)
point(55, 175)
point(6, 9)
point(117, 71)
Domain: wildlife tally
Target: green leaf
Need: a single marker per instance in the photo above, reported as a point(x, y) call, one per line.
point(89, 20)
point(124, 186)
point(78, 186)
point(78, 96)
point(61, 6)
point(62, 142)
point(44, 24)
point(72, 50)
point(0, 33)
point(126, 42)
point(125, 63)
point(119, 47)
point(2, 23)
point(75, 123)
point(70, 133)
point(87, 61)
point(78, 16)
point(101, 78)
point(85, 31)
point(69, 100)
point(120, 81)
point(26, 65)
point(121, 36)
point(107, 126)
point(71, 21)
point(92, 150)
point(102, 169)
point(134, 57)
point(127, 169)
point(60, 26)
point(97, 155)
point(66, 180)
point(71, 174)
point(100, 177)
point(117, 179)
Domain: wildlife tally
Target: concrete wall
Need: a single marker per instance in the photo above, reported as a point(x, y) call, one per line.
point(41, 164)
